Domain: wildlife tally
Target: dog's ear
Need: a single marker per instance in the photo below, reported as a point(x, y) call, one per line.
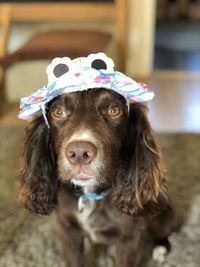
point(38, 184)
point(143, 190)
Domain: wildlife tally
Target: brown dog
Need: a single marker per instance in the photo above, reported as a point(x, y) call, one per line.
point(107, 155)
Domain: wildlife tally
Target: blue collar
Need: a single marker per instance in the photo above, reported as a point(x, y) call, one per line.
point(95, 195)
point(83, 198)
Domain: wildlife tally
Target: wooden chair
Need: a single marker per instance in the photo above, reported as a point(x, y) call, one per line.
point(4, 27)
point(56, 43)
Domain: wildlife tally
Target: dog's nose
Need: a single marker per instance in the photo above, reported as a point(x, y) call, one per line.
point(81, 152)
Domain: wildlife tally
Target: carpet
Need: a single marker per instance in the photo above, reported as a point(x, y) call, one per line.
point(30, 241)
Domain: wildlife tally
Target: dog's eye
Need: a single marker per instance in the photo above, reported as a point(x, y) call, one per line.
point(114, 111)
point(59, 113)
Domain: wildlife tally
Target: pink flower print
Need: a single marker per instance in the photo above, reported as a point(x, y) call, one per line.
point(143, 85)
point(37, 98)
point(103, 78)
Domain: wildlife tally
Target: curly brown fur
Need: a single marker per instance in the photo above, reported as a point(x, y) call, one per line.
point(144, 190)
point(38, 183)
point(93, 145)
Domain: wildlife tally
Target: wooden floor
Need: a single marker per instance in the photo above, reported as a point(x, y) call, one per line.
point(176, 107)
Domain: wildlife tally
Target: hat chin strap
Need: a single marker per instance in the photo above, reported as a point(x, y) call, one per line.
point(44, 116)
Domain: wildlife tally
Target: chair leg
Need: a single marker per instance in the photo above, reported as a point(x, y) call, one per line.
point(3, 101)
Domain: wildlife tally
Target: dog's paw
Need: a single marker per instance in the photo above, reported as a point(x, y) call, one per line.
point(159, 254)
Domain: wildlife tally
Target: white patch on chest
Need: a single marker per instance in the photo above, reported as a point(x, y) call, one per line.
point(84, 216)
point(85, 219)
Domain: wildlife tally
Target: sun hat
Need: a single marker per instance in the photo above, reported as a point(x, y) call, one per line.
point(94, 71)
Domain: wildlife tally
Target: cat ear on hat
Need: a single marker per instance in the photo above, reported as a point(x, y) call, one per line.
point(100, 61)
point(58, 67)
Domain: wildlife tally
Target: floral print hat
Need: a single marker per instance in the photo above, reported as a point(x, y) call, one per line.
point(95, 71)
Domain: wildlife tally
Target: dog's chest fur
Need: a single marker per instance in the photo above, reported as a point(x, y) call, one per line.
point(86, 218)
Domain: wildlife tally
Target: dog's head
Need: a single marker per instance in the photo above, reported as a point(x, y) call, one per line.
point(93, 140)
point(88, 130)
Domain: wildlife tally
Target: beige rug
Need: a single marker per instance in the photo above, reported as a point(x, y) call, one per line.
point(30, 241)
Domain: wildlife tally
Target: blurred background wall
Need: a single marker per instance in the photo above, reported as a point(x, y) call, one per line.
point(140, 46)
point(163, 49)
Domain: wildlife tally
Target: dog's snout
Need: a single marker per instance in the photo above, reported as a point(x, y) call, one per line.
point(81, 152)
